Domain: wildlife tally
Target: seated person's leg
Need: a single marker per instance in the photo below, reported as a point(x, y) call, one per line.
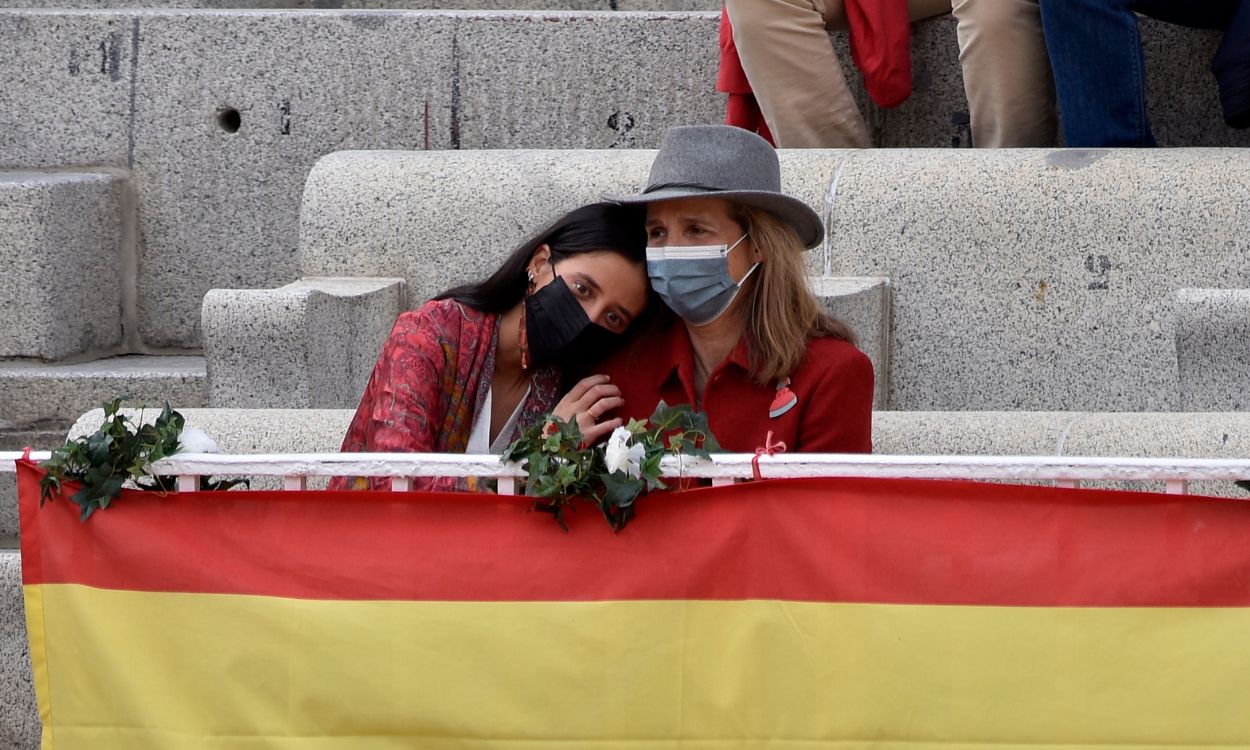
point(1011, 95)
point(1231, 64)
point(1100, 73)
point(797, 79)
point(1231, 67)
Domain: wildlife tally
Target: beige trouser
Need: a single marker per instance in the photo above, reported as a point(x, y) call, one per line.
point(789, 60)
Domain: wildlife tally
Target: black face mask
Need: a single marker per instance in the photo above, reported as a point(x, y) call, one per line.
point(558, 330)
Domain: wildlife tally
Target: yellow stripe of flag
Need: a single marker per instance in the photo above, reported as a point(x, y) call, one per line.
point(229, 672)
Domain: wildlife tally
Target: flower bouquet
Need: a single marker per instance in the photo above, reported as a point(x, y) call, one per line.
point(612, 475)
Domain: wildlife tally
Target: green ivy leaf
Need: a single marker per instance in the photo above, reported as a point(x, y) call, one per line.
point(620, 490)
point(118, 452)
point(561, 471)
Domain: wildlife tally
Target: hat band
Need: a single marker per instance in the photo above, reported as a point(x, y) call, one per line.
point(687, 185)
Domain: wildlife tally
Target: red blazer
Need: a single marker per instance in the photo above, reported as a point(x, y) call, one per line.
point(825, 408)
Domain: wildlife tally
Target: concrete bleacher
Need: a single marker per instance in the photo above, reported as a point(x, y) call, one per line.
point(201, 125)
point(219, 115)
point(1011, 280)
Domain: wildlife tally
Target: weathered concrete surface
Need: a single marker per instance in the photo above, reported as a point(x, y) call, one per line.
point(19, 716)
point(617, 81)
point(1213, 349)
point(223, 214)
point(439, 219)
point(32, 393)
point(61, 250)
point(1032, 279)
point(218, 208)
point(864, 305)
point(312, 343)
point(155, 91)
point(66, 98)
point(251, 430)
point(919, 433)
point(1019, 433)
point(1022, 279)
point(1189, 434)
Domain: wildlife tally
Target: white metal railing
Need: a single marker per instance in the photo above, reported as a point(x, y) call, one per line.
point(724, 468)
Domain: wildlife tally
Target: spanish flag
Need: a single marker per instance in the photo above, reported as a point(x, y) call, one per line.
point(814, 613)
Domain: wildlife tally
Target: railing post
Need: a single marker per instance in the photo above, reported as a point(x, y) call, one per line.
point(507, 485)
point(401, 484)
point(1177, 487)
point(188, 482)
point(294, 483)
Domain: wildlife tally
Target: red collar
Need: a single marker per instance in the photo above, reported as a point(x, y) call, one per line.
point(675, 342)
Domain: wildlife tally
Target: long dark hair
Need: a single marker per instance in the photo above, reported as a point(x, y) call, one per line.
point(593, 228)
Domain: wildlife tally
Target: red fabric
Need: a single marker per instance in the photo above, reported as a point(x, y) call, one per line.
point(743, 111)
point(848, 540)
point(833, 386)
point(731, 78)
point(881, 48)
point(741, 108)
point(880, 32)
point(430, 380)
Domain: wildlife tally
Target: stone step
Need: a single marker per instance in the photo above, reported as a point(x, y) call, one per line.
point(19, 716)
point(61, 246)
point(1213, 349)
point(219, 152)
point(39, 402)
point(312, 343)
point(47, 396)
point(1018, 279)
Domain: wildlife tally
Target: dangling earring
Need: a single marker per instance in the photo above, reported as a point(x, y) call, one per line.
point(522, 337)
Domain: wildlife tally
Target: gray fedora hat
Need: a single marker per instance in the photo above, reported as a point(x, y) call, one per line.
point(701, 161)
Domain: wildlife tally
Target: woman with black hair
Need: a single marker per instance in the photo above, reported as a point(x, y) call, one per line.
point(465, 372)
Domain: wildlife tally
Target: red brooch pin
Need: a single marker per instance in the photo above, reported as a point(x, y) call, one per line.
point(784, 401)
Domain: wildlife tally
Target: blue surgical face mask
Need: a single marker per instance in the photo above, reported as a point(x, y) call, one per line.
point(695, 281)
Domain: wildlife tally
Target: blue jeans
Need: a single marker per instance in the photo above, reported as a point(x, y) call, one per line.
point(1100, 73)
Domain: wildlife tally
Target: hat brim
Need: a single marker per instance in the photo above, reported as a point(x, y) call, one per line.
point(794, 212)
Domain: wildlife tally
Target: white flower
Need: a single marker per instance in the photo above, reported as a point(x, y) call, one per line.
point(195, 440)
point(619, 455)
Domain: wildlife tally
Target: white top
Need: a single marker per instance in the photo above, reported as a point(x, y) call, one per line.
point(479, 437)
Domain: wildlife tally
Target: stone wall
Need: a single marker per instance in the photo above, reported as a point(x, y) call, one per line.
point(218, 115)
point(1021, 279)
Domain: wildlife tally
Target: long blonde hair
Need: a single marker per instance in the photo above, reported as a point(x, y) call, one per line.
point(782, 312)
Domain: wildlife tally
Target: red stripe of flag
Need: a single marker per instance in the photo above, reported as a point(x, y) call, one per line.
point(835, 540)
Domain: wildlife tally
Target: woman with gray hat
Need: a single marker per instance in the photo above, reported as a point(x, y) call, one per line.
point(753, 348)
